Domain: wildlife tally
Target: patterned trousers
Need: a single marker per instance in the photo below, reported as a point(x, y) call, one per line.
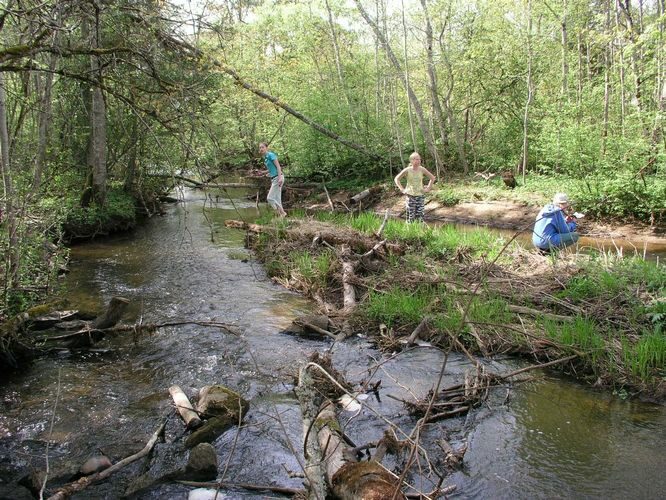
point(414, 207)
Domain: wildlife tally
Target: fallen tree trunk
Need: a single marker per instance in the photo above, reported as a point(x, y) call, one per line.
point(366, 193)
point(112, 315)
point(330, 461)
point(349, 479)
point(357, 242)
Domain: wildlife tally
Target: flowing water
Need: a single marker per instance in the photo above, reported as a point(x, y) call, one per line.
point(546, 438)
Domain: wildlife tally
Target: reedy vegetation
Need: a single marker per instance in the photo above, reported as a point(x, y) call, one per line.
point(109, 96)
point(615, 305)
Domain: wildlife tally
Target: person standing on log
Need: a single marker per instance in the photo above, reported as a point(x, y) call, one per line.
point(414, 189)
point(274, 197)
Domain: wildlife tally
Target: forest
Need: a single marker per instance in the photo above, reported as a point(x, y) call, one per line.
point(108, 108)
point(103, 104)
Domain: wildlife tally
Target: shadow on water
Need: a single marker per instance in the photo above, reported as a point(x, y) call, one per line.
point(553, 438)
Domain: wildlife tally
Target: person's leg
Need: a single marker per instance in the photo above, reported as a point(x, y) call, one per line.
point(409, 209)
point(563, 240)
point(274, 197)
point(419, 207)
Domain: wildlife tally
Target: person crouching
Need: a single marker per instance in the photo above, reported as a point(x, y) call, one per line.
point(554, 229)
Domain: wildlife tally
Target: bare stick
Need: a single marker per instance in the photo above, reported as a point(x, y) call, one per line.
point(185, 409)
point(330, 203)
point(381, 228)
point(86, 481)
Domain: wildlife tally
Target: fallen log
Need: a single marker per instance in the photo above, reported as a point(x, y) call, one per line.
point(358, 243)
point(84, 482)
point(539, 314)
point(348, 266)
point(184, 407)
point(246, 486)
point(331, 462)
point(224, 185)
point(349, 479)
point(366, 193)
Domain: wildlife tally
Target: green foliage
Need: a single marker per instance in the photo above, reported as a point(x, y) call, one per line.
point(619, 277)
point(117, 213)
point(447, 196)
point(366, 222)
point(398, 306)
point(489, 310)
point(646, 358)
point(411, 233)
point(449, 241)
point(581, 334)
point(624, 194)
point(315, 270)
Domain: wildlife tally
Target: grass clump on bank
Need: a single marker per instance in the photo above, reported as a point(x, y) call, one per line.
point(608, 312)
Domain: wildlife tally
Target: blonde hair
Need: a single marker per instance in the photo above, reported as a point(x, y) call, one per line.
point(413, 155)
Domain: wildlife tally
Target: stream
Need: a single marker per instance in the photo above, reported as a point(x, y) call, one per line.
point(547, 437)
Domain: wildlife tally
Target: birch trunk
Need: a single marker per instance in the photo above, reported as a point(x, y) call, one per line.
point(432, 76)
point(423, 124)
point(12, 257)
point(528, 101)
point(338, 66)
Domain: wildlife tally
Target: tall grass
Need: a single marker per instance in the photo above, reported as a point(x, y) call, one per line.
point(582, 335)
point(313, 269)
point(647, 357)
point(398, 306)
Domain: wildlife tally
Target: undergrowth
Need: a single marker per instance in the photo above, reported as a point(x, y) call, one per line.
point(618, 334)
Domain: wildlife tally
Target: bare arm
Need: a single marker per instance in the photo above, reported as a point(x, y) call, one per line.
point(397, 180)
point(431, 177)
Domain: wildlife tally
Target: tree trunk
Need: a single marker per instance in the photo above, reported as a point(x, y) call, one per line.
point(460, 137)
point(434, 96)
point(98, 142)
point(423, 124)
point(565, 52)
point(406, 73)
point(528, 101)
point(338, 66)
point(113, 313)
point(607, 86)
point(620, 66)
point(12, 257)
point(44, 125)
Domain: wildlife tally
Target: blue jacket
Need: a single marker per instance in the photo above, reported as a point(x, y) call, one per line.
point(552, 230)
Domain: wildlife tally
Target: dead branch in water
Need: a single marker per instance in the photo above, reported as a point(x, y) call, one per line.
point(245, 486)
point(84, 482)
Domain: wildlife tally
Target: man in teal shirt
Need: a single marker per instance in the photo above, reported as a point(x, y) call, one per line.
point(274, 198)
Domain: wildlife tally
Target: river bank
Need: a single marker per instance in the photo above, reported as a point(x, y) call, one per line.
point(507, 214)
point(479, 294)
